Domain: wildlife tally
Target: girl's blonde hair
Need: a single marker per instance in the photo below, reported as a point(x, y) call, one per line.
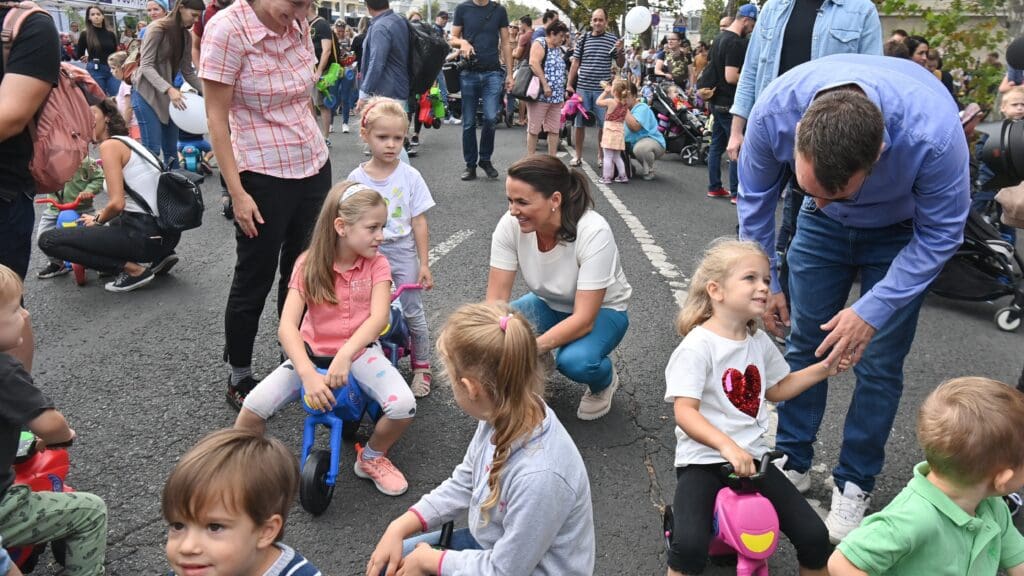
point(318, 269)
point(117, 59)
point(381, 107)
point(719, 260)
point(497, 347)
point(620, 88)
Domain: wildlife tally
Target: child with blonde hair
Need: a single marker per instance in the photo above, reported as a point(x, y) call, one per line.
point(338, 303)
point(406, 236)
point(950, 518)
point(718, 380)
point(124, 93)
point(613, 140)
point(522, 481)
point(243, 484)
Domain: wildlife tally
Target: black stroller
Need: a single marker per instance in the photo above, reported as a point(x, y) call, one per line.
point(985, 268)
point(685, 130)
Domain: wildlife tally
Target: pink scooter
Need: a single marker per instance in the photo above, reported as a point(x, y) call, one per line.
point(745, 522)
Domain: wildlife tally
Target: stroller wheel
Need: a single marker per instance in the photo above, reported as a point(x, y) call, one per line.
point(690, 155)
point(314, 493)
point(1008, 319)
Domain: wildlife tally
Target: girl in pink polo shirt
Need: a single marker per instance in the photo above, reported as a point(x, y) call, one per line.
point(346, 294)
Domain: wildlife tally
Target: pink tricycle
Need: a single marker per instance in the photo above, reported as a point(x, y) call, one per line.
point(745, 522)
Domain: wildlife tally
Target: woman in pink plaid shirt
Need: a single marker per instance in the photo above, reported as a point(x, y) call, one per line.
point(257, 68)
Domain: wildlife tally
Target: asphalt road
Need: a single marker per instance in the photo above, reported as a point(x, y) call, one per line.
point(140, 375)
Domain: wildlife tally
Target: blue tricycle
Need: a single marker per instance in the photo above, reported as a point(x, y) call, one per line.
point(320, 467)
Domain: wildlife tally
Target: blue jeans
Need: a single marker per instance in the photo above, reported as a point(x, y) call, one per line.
point(462, 539)
point(17, 219)
point(790, 208)
point(477, 86)
point(590, 103)
point(824, 259)
point(155, 134)
point(585, 360)
point(345, 95)
point(720, 129)
point(102, 75)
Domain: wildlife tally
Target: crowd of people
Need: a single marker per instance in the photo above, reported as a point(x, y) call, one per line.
point(808, 111)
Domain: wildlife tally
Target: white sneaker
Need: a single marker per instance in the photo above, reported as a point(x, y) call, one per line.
point(594, 406)
point(456, 121)
point(344, 128)
point(847, 512)
point(802, 480)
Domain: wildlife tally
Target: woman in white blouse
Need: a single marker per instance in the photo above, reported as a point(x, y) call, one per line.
point(570, 263)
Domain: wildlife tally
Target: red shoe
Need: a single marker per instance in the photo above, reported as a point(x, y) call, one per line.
point(732, 200)
point(718, 193)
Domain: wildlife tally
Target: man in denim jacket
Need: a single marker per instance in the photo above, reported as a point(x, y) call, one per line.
point(789, 33)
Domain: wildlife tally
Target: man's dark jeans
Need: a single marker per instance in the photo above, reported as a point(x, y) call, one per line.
point(289, 209)
point(720, 129)
point(17, 220)
point(476, 86)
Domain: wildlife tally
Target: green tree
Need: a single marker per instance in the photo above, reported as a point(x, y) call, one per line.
point(961, 29)
point(713, 12)
point(432, 8)
point(516, 10)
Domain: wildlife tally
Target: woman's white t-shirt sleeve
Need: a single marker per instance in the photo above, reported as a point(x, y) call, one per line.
point(599, 259)
point(775, 365)
point(686, 374)
point(504, 252)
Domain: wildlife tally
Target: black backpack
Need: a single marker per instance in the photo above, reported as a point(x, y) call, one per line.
point(427, 52)
point(178, 197)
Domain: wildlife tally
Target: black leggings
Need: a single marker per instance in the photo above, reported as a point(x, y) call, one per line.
point(130, 237)
point(694, 503)
point(289, 208)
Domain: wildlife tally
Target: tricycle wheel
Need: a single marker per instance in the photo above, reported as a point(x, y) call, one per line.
point(79, 271)
point(349, 429)
point(314, 493)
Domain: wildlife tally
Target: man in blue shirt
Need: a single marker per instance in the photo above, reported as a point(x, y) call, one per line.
point(385, 64)
point(876, 145)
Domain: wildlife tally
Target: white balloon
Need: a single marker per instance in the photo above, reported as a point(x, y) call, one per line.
point(193, 118)
point(638, 20)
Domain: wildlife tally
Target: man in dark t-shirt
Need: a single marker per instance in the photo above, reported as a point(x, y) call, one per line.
point(480, 32)
point(727, 53)
point(25, 82)
point(323, 49)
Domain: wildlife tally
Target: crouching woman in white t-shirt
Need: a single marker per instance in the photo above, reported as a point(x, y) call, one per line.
point(569, 261)
point(122, 236)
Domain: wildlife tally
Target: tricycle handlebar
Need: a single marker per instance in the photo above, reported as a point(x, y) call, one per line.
point(403, 288)
point(67, 206)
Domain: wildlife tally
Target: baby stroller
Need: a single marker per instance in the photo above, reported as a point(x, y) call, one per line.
point(985, 268)
point(685, 132)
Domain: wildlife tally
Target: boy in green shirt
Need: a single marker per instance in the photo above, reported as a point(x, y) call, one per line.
point(951, 519)
point(85, 184)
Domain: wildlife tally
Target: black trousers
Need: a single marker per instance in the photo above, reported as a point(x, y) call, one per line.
point(289, 208)
point(694, 503)
point(130, 237)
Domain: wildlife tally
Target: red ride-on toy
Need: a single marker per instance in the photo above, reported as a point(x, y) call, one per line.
point(42, 471)
point(68, 218)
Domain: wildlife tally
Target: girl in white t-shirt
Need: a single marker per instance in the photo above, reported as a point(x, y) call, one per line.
point(718, 380)
point(406, 237)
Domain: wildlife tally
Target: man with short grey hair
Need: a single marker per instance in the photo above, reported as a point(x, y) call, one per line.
point(887, 195)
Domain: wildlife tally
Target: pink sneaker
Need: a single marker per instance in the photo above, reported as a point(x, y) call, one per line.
point(382, 473)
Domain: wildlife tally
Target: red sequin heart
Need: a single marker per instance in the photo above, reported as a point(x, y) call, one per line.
point(743, 390)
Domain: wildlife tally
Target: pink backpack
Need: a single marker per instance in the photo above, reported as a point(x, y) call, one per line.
point(63, 126)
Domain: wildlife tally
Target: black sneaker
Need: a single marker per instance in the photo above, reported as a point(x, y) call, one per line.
point(227, 209)
point(415, 140)
point(469, 174)
point(489, 169)
point(237, 392)
point(164, 265)
point(125, 282)
point(53, 270)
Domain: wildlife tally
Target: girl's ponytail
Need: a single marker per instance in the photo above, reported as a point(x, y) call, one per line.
point(497, 347)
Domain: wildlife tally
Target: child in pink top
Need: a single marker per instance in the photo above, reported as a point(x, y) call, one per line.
point(344, 286)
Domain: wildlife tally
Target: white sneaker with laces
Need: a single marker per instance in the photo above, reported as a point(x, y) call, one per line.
point(594, 406)
point(802, 480)
point(847, 512)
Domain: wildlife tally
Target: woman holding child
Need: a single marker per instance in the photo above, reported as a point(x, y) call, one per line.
point(568, 257)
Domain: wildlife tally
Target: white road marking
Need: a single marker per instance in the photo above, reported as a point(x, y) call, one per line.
point(677, 281)
point(439, 251)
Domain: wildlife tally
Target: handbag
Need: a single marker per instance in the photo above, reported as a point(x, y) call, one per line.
point(526, 85)
point(178, 198)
